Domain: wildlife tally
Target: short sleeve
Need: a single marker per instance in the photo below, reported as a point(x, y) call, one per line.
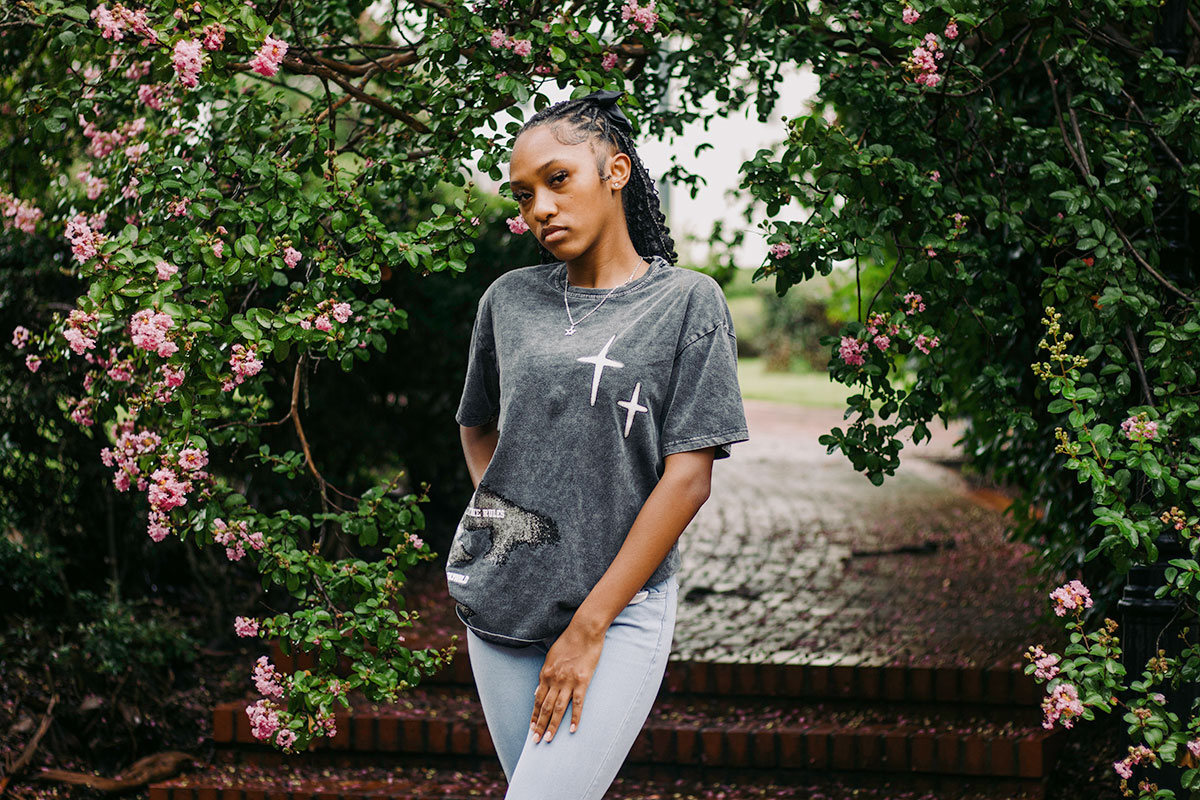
point(480, 400)
point(704, 401)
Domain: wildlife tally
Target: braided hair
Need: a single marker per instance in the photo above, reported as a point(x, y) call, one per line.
point(581, 119)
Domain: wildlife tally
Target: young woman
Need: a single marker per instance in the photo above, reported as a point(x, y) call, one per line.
point(600, 388)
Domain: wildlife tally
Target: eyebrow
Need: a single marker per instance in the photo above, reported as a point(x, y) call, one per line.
point(540, 170)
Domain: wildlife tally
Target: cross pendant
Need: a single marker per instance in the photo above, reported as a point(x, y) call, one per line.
point(569, 331)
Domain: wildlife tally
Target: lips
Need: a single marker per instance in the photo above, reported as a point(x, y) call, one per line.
point(552, 231)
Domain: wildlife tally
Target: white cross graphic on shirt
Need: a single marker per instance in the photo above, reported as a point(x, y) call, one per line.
point(632, 407)
point(601, 360)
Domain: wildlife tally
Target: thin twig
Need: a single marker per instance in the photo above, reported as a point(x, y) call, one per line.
point(1137, 359)
point(30, 748)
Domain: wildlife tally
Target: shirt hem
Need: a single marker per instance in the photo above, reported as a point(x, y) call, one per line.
point(708, 440)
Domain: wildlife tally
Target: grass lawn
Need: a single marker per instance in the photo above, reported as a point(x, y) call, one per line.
point(797, 387)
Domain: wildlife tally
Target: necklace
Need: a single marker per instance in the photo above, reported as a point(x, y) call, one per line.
point(571, 330)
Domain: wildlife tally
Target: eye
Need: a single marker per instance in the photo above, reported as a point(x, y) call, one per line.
point(557, 176)
point(520, 197)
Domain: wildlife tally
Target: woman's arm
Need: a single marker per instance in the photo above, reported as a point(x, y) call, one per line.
point(679, 494)
point(479, 444)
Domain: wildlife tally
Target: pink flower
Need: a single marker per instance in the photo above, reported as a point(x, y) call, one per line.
point(637, 15)
point(910, 15)
point(148, 330)
point(166, 490)
point(1062, 705)
point(924, 343)
point(189, 61)
point(267, 678)
point(245, 626)
point(1194, 747)
point(935, 174)
point(129, 190)
point(244, 362)
point(20, 337)
point(851, 350)
point(291, 257)
point(22, 215)
point(517, 224)
point(1123, 768)
point(134, 152)
point(929, 251)
point(915, 303)
point(323, 323)
point(780, 250)
point(214, 36)
point(264, 719)
point(500, 40)
point(522, 47)
point(165, 270)
point(1073, 595)
point(341, 312)
point(158, 525)
point(218, 248)
point(285, 738)
point(608, 61)
point(1046, 664)
point(82, 413)
point(193, 459)
point(85, 238)
point(1140, 429)
point(81, 332)
point(882, 342)
point(952, 30)
point(268, 58)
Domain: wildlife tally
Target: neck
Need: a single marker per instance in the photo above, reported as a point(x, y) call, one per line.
point(594, 271)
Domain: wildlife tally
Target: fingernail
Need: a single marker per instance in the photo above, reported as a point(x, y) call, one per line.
point(572, 729)
point(549, 737)
point(537, 737)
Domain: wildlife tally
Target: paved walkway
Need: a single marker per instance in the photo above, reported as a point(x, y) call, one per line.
point(798, 558)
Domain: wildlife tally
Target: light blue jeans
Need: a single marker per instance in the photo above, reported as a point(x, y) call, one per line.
point(583, 764)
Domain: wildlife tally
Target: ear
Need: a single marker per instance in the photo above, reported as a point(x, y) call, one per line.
point(620, 168)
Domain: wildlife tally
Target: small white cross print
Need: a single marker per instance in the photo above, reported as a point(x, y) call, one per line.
point(632, 407)
point(601, 360)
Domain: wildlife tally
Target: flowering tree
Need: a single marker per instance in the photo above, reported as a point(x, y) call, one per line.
point(982, 164)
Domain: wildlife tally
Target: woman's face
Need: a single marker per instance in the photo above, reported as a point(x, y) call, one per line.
point(562, 198)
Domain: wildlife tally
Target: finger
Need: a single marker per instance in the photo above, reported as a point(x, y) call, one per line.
point(538, 696)
point(577, 707)
point(543, 715)
point(560, 708)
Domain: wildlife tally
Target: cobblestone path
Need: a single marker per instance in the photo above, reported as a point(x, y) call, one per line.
point(797, 558)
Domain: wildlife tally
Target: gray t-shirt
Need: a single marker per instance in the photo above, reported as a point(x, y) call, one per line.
point(585, 421)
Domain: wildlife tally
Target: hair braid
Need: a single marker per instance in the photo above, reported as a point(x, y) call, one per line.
point(578, 120)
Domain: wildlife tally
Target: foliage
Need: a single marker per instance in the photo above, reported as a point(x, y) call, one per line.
point(995, 159)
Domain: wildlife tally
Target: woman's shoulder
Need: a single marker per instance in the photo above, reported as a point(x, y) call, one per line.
point(518, 280)
point(705, 297)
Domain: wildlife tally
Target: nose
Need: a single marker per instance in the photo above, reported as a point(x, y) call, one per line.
point(543, 207)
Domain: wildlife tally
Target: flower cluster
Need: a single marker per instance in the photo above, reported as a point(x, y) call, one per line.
point(20, 214)
point(1046, 663)
point(265, 723)
point(214, 36)
point(102, 142)
point(81, 413)
point(1137, 754)
point(245, 364)
point(267, 679)
point(170, 380)
point(148, 329)
point(1061, 705)
point(1073, 595)
point(245, 626)
point(326, 309)
point(910, 15)
point(924, 343)
point(923, 61)
point(780, 250)
point(165, 270)
point(608, 61)
point(84, 235)
point(517, 225)
point(269, 56)
point(33, 363)
point(234, 536)
point(851, 351)
point(125, 456)
point(1140, 429)
point(645, 17)
point(80, 332)
point(188, 58)
point(20, 337)
point(113, 23)
point(915, 303)
point(291, 257)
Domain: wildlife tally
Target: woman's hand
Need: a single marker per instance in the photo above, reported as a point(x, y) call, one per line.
point(564, 680)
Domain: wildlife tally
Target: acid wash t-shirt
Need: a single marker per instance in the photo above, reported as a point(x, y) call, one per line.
point(585, 421)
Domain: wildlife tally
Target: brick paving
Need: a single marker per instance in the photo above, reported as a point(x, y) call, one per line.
point(796, 558)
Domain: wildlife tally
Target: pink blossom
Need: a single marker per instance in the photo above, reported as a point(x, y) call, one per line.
point(341, 312)
point(245, 626)
point(952, 30)
point(500, 40)
point(851, 350)
point(780, 250)
point(935, 174)
point(22, 215)
point(148, 330)
point(1073, 595)
point(291, 257)
point(1140, 429)
point(417, 543)
point(214, 36)
point(323, 323)
point(129, 190)
point(218, 248)
point(522, 47)
point(267, 678)
point(81, 414)
point(189, 61)
point(20, 337)
point(110, 26)
point(517, 225)
point(269, 56)
point(81, 331)
point(1194, 747)
point(636, 15)
point(165, 270)
point(121, 371)
point(929, 251)
point(264, 719)
point(166, 490)
point(152, 95)
point(193, 459)
point(285, 738)
point(882, 342)
point(1062, 705)
point(1123, 768)
point(134, 152)
point(910, 15)
point(1046, 663)
point(306, 324)
point(179, 207)
point(924, 343)
point(157, 524)
point(915, 303)
point(244, 362)
point(85, 241)
point(608, 61)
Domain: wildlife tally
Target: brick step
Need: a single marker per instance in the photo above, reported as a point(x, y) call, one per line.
point(719, 732)
point(1000, 684)
point(297, 780)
